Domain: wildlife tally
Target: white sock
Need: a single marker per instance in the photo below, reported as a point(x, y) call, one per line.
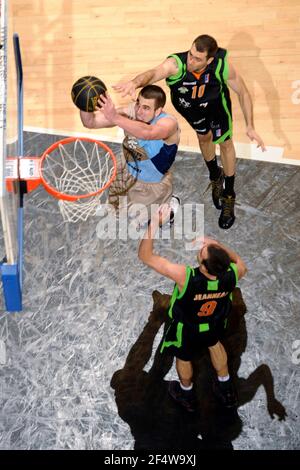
point(186, 388)
point(223, 379)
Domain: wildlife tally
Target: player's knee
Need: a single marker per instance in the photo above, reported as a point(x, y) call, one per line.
point(227, 145)
point(204, 138)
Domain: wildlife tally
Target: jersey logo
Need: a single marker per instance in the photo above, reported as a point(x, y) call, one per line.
point(203, 104)
point(183, 103)
point(199, 122)
point(206, 78)
point(132, 142)
point(216, 126)
point(183, 89)
point(189, 83)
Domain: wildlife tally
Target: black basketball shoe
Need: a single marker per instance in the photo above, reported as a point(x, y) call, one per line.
point(174, 205)
point(217, 189)
point(227, 217)
point(225, 392)
point(185, 398)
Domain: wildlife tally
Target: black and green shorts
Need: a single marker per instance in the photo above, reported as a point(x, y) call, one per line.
point(216, 117)
point(186, 342)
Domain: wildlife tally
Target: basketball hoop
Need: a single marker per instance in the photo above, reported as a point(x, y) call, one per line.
point(75, 170)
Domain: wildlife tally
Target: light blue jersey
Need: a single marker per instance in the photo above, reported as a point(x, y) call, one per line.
point(154, 157)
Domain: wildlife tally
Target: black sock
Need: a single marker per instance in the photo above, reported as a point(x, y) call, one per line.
point(229, 186)
point(213, 168)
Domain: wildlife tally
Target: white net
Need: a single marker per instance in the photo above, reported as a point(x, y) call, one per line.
point(78, 168)
point(79, 210)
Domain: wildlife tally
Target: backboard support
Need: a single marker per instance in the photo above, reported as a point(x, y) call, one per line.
point(11, 144)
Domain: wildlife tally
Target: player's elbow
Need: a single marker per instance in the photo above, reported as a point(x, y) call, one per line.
point(90, 124)
point(242, 269)
point(145, 257)
point(142, 255)
point(86, 121)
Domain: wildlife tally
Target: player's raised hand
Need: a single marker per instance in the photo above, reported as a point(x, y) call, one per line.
point(199, 242)
point(126, 88)
point(107, 106)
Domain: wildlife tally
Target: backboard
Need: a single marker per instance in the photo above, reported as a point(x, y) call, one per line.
point(11, 143)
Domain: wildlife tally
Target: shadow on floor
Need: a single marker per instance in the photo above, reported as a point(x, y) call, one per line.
point(155, 420)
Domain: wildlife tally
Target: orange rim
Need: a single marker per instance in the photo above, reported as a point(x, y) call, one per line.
point(57, 194)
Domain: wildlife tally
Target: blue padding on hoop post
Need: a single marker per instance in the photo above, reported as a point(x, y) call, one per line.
point(11, 287)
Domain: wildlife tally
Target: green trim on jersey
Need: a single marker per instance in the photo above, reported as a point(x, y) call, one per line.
point(226, 68)
point(181, 71)
point(224, 102)
point(203, 327)
point(224, 136)
point(213, 285)
point(178, 342)
point(178, 295)
point(233, 266)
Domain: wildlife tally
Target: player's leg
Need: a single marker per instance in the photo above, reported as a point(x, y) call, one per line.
point(221, 126)
point(228, 157)
point(208, 150)
point(165, 195)
point(178, 342)
point(185, 372)
point(218, 358)
point(223, 386)
point(119, 188)
point(182, 392)
point(151, 194)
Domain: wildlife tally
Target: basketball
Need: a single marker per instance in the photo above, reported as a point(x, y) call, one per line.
point(86, 91)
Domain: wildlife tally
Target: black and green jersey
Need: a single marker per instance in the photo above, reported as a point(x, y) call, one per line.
point(202, 302)
point(204, 101)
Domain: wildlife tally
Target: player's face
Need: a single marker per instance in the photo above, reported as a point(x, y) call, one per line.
point(145, 109)
point(197, 61)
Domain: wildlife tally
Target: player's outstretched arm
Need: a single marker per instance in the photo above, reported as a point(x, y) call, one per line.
point(163, 129)
point(237, 84)
point(176, 272)
point(164, 70)
point(97, 119)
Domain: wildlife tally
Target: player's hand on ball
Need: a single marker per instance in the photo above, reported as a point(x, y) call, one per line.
point(107, 107)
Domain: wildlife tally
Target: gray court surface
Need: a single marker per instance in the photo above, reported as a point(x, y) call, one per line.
point(87, 300)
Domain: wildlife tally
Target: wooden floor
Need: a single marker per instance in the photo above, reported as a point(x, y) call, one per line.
point(62, 40)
